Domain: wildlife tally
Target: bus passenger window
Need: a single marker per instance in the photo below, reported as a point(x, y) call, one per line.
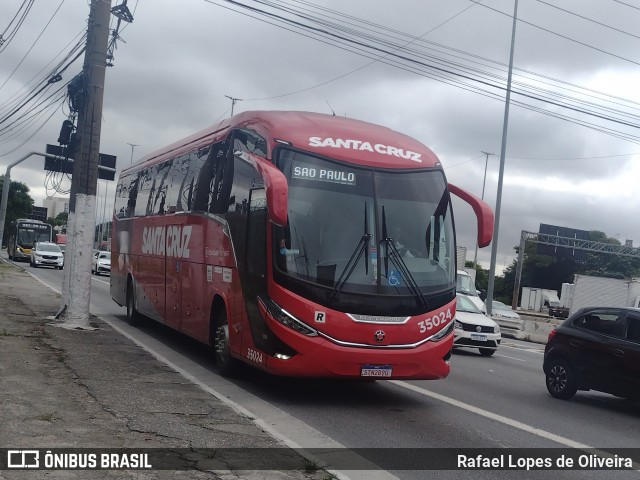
point(257, 233)
point(207, 176)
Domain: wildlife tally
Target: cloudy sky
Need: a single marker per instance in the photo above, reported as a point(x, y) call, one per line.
point(436, 70)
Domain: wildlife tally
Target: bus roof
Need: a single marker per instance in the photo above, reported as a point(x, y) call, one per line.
point(342, 138)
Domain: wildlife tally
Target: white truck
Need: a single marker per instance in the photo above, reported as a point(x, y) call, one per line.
point(538, 299)
point(465, 284)
point(589, 291)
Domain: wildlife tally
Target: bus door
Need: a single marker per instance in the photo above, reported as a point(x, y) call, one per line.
point(173, 279)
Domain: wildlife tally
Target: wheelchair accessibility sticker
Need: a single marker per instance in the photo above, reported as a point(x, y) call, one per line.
point(395, 278)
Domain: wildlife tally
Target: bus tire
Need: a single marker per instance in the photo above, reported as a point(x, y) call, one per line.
point(134, 318)
point(226, 364)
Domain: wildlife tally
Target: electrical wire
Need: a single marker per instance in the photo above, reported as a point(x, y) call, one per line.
point(32, 45)
point(357, 46)
point(27, 4)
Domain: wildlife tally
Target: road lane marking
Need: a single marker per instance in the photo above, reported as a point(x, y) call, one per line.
point(494, 416)
point(507, 356)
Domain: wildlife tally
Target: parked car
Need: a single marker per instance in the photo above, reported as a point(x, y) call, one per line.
point(46, 254)
point(500, 310)
point(557, 310)
point(101, 263)
point(473, 329)
point(597, 348)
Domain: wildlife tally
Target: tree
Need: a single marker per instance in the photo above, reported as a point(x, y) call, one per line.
point(19, 204)
point(60, 220)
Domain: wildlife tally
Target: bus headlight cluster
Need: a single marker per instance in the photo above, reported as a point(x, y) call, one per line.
point(288, 320)
point(442, 333)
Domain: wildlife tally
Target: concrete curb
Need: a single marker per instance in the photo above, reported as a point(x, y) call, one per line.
point(531, 328)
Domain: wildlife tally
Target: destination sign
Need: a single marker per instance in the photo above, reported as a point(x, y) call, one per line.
point(330, 175)
point(35, 226)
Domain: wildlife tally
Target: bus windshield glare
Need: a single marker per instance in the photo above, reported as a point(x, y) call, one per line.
point(380, 213)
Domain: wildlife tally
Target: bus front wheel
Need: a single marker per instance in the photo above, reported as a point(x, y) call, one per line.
point(224, 361)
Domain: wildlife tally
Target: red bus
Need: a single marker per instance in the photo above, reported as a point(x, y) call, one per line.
point(300, 243)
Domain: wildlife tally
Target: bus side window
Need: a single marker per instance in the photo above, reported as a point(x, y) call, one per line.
point(210, 179)
point(257, 233)
point(126, 187)
point(145, 185)
point(133, 196)
point(158, 194)
point(248, 141)
point(173, 183)
point(188, 194)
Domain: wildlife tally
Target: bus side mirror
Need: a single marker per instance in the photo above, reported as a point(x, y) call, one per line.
point(483, 214)
point(276, 188)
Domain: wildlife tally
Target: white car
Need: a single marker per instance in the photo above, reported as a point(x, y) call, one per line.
point(473, 329)
point(46, 254)
point(500, 310)
point(101, 263)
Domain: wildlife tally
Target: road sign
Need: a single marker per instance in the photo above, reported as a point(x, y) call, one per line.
point(55, 162)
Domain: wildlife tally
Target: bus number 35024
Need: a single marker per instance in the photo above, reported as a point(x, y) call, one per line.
point(435, 321)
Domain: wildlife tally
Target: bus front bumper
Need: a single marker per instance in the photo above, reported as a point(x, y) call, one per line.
point(320, 357)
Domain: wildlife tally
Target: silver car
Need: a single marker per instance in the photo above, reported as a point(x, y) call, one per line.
point(46, 254)
point(101, 263)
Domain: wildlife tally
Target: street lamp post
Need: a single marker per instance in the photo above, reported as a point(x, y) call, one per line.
point(486, 163)
point(133, 146)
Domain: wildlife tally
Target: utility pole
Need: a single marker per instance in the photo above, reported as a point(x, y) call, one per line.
point(76, 296)
point(486, 163)
point(233, 102)
point(133, 145)
point(503, 149)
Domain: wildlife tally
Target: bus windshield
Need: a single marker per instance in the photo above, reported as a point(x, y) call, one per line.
point(28, 236)
point(365, 231)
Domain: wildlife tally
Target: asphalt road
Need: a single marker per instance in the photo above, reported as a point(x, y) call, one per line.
point(485, 403)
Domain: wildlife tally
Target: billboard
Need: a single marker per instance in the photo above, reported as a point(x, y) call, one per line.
point(39, 213)
point(559, 249)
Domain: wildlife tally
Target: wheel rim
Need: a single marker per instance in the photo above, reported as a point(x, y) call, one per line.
point(222, 343)
point(558, 378)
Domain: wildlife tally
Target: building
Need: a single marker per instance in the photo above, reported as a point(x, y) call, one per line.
point(55, 206)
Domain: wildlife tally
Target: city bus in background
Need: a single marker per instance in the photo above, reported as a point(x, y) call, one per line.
point(24, 234)
point(303, 244)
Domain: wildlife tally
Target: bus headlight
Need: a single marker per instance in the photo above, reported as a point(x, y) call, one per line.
point(442, 333)
point(285, 318)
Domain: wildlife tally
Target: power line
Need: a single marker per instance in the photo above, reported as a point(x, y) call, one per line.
point(359, 47)
point(588, 19)
point(32, 45)
point(558, 34)
point(5, 39)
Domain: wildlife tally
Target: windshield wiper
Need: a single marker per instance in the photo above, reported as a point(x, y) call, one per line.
point(363, 246)
point(391, 252)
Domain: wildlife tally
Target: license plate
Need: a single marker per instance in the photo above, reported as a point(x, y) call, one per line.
point(479, 338)
point(375, 371)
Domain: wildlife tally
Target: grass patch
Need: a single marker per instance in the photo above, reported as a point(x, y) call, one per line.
point(311, 466)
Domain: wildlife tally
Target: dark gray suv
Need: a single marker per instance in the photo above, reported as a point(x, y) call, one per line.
point(597, 348)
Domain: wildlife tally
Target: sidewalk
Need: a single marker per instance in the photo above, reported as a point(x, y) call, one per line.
point(96, 389)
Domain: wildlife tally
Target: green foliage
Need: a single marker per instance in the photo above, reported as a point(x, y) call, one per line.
point(61, 219)
point(19, 204)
